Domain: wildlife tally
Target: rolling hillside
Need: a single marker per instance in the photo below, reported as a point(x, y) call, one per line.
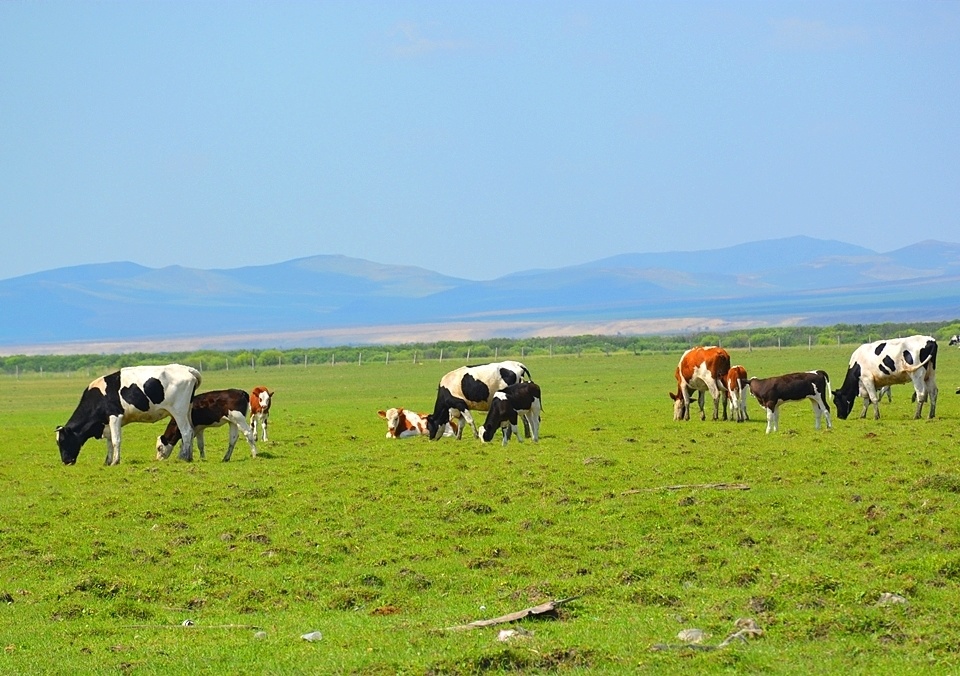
point(337, 300)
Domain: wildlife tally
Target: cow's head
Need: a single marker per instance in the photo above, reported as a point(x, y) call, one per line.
point(163, 448)
point(392, 416)
point(679, 408)
point(435, 427)
point(265, 398)
point(843, 402)
point(69, 444)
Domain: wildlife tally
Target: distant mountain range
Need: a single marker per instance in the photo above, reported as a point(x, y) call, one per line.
point(335, 300)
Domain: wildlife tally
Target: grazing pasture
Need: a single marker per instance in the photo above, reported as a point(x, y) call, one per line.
point(381, 544)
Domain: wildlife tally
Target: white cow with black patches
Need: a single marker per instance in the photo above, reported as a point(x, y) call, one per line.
point(890, 362)
point(471, 388)
point(132, 394)
point(522, 400)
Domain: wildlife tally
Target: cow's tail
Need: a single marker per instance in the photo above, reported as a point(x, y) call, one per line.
point(197, 378)
point(525, 372)
point(926, 361)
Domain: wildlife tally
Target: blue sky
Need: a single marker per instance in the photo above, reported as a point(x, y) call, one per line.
point(475, 139)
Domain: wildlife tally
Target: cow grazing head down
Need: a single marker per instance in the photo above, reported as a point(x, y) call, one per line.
point(701, 370)
point(889, 362)
point(471, 388)
point(132, 394)
point(212, 409)
point(522, 400)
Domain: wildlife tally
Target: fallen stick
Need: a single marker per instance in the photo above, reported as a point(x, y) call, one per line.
point(190, 626)
point(680, 487)
point(547, 608)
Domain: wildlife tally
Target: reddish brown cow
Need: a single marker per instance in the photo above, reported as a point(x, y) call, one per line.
point(701, 369)
point(260, 400)
point(212, 409)
point(737, 388)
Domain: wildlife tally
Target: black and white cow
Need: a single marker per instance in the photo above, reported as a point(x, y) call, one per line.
point(471, 388)
point(132, 394)
point(212, 409)
point(773, 392)
point(520, 399)
point(889, 362)
point(955, 340)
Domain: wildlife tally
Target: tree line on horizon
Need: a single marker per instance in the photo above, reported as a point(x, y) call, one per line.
point(480, 351)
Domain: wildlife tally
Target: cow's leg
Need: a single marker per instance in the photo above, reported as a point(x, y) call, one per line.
point(817, 412)
point(465, 414)
point(534, 417)
point(238, 424)
point(198, 437)
point(771, 419)
point(932, 392)
point(264, 425)
point(112, 433)
point(232, 439)
point(187, 433)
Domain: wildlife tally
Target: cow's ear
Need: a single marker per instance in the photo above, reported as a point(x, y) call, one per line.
point(673, 395)
point(382, 414)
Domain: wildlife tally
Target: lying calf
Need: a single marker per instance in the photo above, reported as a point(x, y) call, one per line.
point(402, 423)
point(521, 399)
point(212, 409)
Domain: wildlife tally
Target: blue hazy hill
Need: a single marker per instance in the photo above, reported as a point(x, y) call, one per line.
point(807, 279)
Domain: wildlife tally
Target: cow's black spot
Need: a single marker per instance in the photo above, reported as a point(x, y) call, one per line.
point(929, 350)
point(907, 357)
point(473, 389)
point(889, 363)
point(509, 377)
point(134, 396)
point(153, 388)
point(879, 349)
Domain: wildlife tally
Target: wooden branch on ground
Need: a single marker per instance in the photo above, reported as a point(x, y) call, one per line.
point(191, 626)
point(548, 608)
point(680, 487)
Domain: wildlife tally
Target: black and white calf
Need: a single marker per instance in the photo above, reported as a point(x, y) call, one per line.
point(132, 394)
point(889, 362)
point(773, 392)
point(521, 399)
point(212, 409)
point(955, 340)
point(471, 388)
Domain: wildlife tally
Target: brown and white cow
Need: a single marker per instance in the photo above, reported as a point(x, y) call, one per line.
point(738, 389)
point(701, 369)
point(403, 423)
point(212, 409)
point(260, 401)
point(773, 392)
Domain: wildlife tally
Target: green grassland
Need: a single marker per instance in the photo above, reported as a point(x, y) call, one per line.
point(382, 544)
